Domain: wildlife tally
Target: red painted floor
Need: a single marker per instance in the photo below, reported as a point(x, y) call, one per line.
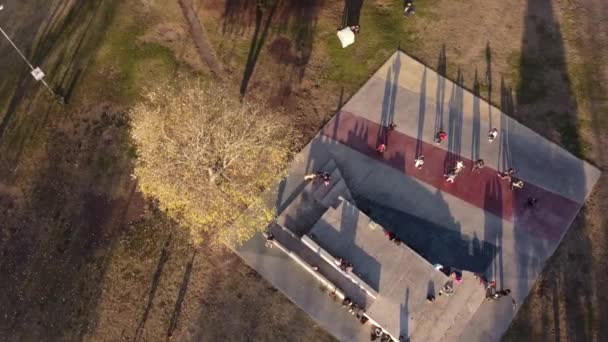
point(552, 216)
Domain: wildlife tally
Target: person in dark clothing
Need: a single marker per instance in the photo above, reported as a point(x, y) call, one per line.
point(376, 333)
point(360, 314)
point(386, 338)
point(321, 175)
point(269, 239)
point(345, 265)
point(324, 176)
point(504, 292)
point(409, 9)
point(499, 294)
point(478, 165)
point(507, 174)
point(346, 302)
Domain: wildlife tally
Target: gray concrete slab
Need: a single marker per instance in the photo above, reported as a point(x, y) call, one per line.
point(302, 288)
point(401, 277)
point(420, 102)
point(333, 275)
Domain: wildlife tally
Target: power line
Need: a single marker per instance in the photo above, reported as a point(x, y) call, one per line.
point(35, 72)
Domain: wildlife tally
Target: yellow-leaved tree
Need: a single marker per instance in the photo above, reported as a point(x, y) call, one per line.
point(208, 158)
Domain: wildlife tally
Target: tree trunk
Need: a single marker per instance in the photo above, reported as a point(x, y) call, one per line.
point(199, 35)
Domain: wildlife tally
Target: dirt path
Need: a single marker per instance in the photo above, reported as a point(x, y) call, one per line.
point(199, 35)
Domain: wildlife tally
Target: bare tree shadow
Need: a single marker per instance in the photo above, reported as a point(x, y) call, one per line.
point(294, 22)
point(488, 78)
point(180, 297)
point(258, 40)
point(546, 102)
point(164, 256)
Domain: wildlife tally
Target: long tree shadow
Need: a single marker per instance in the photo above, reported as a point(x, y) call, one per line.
point(593, 76)
point(180, 297)
point(164, 256)
point(488, 81)
point(292, 21)
point(257, 42)
point(546, 103)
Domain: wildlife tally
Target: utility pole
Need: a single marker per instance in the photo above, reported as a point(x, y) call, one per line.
point(35, 72)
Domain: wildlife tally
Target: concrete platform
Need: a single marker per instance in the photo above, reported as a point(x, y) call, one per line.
point(485, 226)
point(401, 277)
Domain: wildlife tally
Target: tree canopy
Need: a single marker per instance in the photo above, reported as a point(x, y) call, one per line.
point(207, 157)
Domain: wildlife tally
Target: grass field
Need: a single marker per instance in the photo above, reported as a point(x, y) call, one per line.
point(85, 257)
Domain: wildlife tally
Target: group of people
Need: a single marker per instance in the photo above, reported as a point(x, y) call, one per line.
point(492, 293)
point(325, 177)
point(454, 275)
point(459, 166)
point(392, 237)
point(377, 333)
point(513, 182)
point(355, 310)
point(344, 265)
